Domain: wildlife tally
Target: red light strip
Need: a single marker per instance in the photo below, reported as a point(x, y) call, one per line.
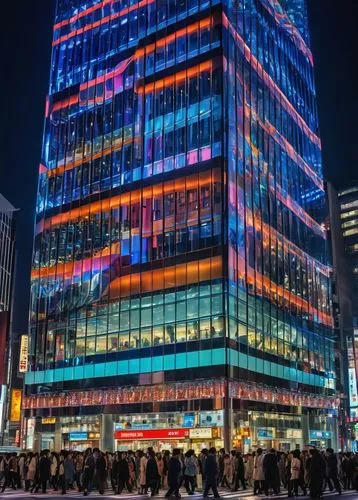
point(269, 82)
point(104, 20)
point(83, 13)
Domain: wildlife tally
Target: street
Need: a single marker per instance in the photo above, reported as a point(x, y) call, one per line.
point(246, 495)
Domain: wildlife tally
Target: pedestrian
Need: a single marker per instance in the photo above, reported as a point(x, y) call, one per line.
point(239, 472)
point(142, 473)
point(174, 473)
point(88, 471)
point(258, 474)
point(270, 469)
point(332, 471)
point(227, 478)
point(249, 468)
point(316, 473)
point(211, 474)
point(44, 472)
point(160, 465)
point(151, 473)
point(295, 473)
point(100, 475)
point(190, 471)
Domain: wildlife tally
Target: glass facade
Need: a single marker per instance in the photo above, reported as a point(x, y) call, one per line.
point(181, 207)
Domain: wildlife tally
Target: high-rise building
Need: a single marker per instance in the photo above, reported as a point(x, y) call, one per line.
point(180, 281)
point(7, 255)
point(345, 246)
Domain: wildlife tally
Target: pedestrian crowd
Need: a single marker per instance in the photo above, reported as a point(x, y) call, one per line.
point(148, 472)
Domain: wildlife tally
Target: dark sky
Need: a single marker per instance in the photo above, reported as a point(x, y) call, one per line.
point(25, 60)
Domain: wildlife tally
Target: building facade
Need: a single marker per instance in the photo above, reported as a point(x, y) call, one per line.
point(7, 255)
point(348, 232)
point(180, 281)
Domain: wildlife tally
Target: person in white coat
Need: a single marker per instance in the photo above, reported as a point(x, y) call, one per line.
point(258, 474)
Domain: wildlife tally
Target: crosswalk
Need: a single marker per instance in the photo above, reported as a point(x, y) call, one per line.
point(241, 495)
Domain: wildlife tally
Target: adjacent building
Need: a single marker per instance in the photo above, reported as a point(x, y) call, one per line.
point(348, 232)
point(7, 256)
point(181, 289)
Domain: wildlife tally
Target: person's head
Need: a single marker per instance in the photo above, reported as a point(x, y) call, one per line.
point(151, 453)
point(238, 454)
point(330, 451)
point(259, 451)
point(272, 450)
point(204, 451)
point(233, 453)
point(88, 452)
point(212, 450)
point(296, 453)
point(176, 453)
point(313, 452)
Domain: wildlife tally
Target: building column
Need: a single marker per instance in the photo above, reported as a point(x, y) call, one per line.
point(107, 429)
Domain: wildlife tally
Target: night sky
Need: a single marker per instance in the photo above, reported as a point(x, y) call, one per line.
point(25, 59)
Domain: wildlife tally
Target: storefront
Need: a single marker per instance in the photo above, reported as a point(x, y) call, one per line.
point(194, 430)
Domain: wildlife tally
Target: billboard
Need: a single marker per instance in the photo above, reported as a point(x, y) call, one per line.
point(15, 405)
point(24, 354)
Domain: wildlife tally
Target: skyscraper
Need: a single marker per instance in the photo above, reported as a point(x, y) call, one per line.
point(7, 256)
point(180, 282)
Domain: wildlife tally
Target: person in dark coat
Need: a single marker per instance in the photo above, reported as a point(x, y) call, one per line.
point(151, 473)
point(123, 474)
point(211, 474)
point(239, 472)
point(174, 473)
point(88, 471)
point(332, 471)
point(316, 469)
point(44, 472)
point(100, 470)
point(270, 466)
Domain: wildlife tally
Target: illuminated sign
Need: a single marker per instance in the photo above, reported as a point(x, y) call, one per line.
point(265, 433)
point(94, 435)
point(15, 405)
point(152, 434)
point(201, 433)
point(48, 420)
point(78, 436)
point(320, 435)
point(24, 354)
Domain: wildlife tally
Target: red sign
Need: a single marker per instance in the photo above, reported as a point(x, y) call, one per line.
point(152, 434)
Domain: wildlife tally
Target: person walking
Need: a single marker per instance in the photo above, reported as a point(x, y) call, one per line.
point(211, 474)
point(249, 468)
point(191, 470)
point(54, 470)
point(123, 474)
point(229, 463)
point(258, 474)
point(152, 474)
point(88, 471)
point(44, 472)
point(239, 472)
point(295, 473)
point(316, 473)
point(100, 474)
point(270, 469)
point(174, 473)
point(332, 471)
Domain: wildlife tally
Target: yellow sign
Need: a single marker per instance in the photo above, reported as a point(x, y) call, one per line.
point(48, 420)
point(24, 354)
point(15, 407)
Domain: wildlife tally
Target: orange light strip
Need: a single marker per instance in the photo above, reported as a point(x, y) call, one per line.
point(138, 53)
point(67, 270)
point(83, 13)
point(168, 277)
point(282, 141)
point(182, 75)
point(186, 183)
point(104, 20)
point(70, 166)
point(269, 82)
point(256, 279)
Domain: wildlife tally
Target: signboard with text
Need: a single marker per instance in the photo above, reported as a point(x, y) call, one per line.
point(15, 405)
point(24, 354)
point(201, 433)
point(152, 434)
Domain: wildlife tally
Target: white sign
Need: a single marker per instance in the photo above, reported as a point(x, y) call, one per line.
point(201, 433)
point(24, 354)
